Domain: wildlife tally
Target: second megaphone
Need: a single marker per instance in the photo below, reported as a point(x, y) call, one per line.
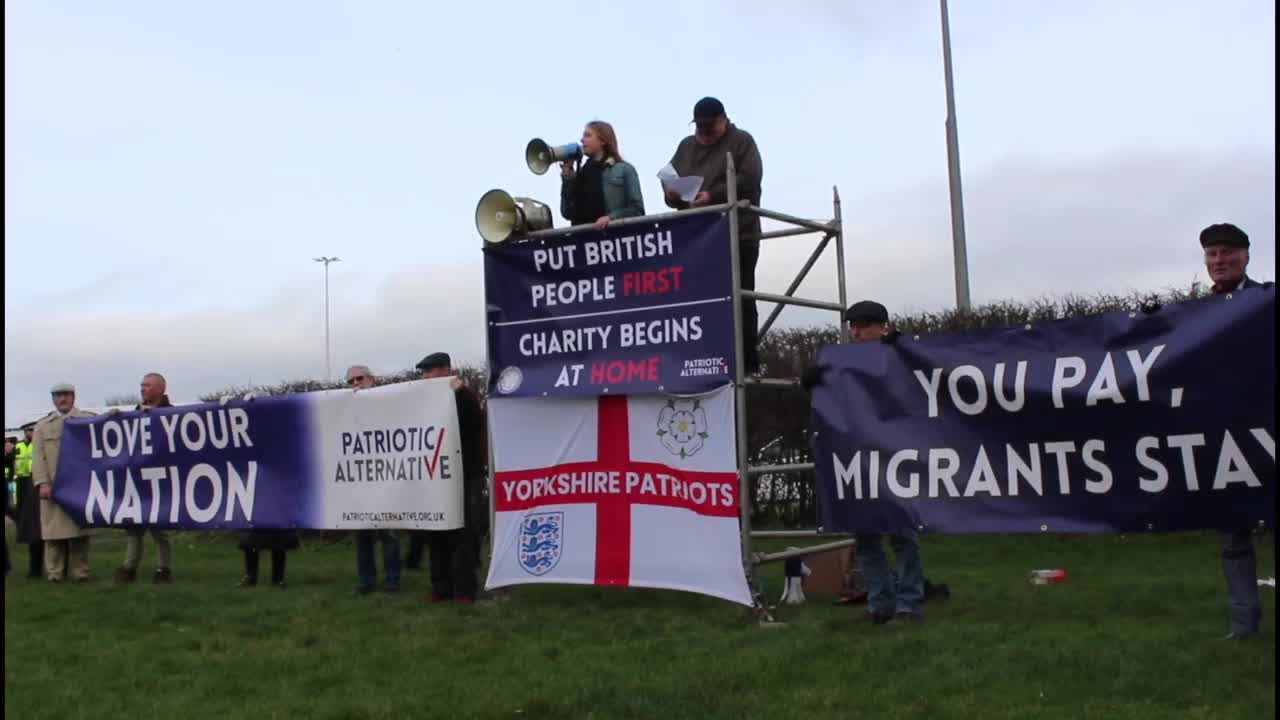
point(500, 217)
point(540, 156)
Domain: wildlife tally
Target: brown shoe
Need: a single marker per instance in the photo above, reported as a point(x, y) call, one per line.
point(125, 576)
point(163, 576)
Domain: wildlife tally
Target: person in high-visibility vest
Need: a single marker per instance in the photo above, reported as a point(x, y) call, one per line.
point(28, 504)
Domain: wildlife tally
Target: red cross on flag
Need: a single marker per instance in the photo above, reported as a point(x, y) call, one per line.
point(639, 491)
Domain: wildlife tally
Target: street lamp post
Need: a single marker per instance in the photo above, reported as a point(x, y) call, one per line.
point(961, 255)
point(328, 372)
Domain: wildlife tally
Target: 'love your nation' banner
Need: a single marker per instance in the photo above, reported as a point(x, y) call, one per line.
point(386, 457)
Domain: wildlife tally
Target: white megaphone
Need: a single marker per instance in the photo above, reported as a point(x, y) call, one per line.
point(500, 216)
point(540, 156)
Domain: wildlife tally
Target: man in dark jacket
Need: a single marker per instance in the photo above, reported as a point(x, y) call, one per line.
point(703, 154)
point(28, 519)
point(455, 554)
point(1226, 256)
point(153, 396)
point(10, 501)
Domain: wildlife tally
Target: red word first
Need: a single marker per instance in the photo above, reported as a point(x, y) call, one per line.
point(652, 282)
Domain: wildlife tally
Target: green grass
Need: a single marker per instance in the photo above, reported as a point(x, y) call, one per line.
point(1134, 633)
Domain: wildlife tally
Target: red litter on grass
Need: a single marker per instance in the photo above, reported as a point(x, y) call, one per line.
point(1047, 577)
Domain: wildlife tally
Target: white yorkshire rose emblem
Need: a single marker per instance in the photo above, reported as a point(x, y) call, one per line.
point(509, 380)
point(682, 427)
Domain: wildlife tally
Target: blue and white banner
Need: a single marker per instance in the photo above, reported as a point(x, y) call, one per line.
point(386, 457)
point(641, 309)
point(1110, 423)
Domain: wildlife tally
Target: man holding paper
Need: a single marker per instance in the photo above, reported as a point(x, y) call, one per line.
point(702, 155)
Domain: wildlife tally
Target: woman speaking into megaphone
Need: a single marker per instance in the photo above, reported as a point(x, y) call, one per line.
point(604, 187)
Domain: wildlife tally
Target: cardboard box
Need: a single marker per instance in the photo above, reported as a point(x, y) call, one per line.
point(827, 571)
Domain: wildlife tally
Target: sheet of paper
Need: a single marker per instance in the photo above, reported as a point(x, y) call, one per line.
point(686, 187)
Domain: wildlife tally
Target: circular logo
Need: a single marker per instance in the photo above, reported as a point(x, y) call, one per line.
point(509, 380)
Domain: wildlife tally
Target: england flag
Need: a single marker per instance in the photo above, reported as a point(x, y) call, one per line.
point(633, 491)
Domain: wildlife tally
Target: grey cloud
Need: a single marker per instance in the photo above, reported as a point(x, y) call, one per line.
point(1034, 228)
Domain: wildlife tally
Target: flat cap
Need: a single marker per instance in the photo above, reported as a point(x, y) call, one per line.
point(1224, 234)
point(867, 311)
point(434, 360)
point(63, 387)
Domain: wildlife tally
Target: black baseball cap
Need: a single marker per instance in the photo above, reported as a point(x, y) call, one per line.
point(867, 311)
point(434, 360)
point(1224, 234)
point(707, 110)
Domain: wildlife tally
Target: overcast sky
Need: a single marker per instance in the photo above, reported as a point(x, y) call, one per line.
point(172, 168)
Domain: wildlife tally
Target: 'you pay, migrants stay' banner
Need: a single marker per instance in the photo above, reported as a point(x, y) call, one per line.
point(386, 457)
point(1110, 423)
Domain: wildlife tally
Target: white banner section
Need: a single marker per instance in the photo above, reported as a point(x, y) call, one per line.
point(388, 457)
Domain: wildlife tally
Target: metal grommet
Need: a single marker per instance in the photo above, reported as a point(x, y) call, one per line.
point(917, 337)
point(1027, 326)
point(1133, 314)
point(1228, 296)
point(1043, 528)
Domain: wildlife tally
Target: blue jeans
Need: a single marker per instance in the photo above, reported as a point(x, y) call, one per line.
point(1240, 567)
point(367, 567)
point(882, 595)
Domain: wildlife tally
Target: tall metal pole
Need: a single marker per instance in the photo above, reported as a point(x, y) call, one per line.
point(328, 371)
point(961, 255)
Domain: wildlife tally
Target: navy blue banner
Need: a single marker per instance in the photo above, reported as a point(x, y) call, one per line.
point(207, 466)
point(1110, 423)
point(641, 309)
point(385, 457)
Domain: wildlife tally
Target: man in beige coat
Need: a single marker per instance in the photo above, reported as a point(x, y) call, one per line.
point(66, 545)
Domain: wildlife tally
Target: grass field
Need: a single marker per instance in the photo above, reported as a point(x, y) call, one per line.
point(1134, 633)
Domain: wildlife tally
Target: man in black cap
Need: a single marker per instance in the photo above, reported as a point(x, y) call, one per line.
point(888, 601)
point(703, 154)
point(1226, 255)
point(455, 554)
